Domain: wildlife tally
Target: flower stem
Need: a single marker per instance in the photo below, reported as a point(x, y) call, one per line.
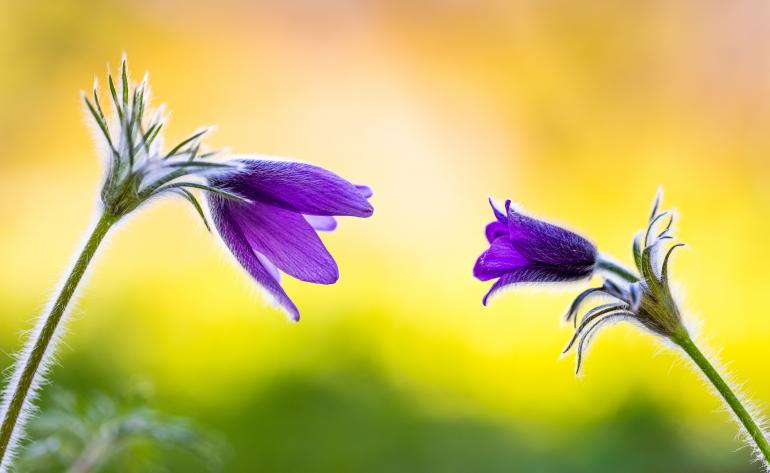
point(27, 374)
point(743, 415)
point(617, 269)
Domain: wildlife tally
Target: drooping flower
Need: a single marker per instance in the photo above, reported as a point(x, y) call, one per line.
point(267, 211)
point(274, 229)
point(273, 209)
point(524, 250)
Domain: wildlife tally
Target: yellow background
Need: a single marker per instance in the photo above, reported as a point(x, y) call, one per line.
point(576, 110)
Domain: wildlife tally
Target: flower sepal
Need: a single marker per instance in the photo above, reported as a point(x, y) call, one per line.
point(645, 298)
point(137, 169)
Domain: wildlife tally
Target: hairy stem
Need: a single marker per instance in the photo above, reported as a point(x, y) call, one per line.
point(617, 269)
point(743, 415)
point(28, 372)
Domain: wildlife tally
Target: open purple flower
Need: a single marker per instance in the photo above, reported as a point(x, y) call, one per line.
point(523, 249)
point(273, 229)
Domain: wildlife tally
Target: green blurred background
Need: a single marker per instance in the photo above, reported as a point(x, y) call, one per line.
point(577, 110)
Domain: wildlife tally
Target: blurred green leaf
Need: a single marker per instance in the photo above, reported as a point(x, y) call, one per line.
point(97, 433)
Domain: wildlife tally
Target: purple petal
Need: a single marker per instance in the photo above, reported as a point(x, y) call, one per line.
point(549, 244)
point(365, 191)
point(500, 213)
point(521, 275)
point(496, 229)
point(499, 259)
point(499, 285)
point(236, 241)
point(270, 267)
point(286, 239)
point(322, 223)
point(298, 187)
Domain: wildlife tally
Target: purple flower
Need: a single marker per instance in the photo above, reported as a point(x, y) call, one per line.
point(274, 228)
point(523, 249)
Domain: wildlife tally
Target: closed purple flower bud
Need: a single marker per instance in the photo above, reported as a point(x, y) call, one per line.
point(273, 228)
point(526, 250)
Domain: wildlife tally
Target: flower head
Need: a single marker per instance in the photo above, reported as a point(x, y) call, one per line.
point(266, 210)
point(274, 229)
point(523, 249)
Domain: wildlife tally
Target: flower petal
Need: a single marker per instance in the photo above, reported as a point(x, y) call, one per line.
point(285, 238)
point(298, 187)
point(365, 191)
point(270, 267)
point(500, 214)
point(322, 223)
point(496, 229)
point(520, 275)
point(252, 262)
point(500, 258)
point(549, 244)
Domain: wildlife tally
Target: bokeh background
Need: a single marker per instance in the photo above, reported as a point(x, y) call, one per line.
point(577, 110)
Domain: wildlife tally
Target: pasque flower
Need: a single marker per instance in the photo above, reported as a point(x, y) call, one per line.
point(275, 227)
point(523, 249)
point(526, 250)
point(267, 212)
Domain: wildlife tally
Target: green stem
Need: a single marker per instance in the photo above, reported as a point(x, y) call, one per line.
point(727, 394)
point(27, 372)
point(617, 269)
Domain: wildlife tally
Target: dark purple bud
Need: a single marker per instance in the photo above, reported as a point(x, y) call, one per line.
point(274, 229)
point(526, 250)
